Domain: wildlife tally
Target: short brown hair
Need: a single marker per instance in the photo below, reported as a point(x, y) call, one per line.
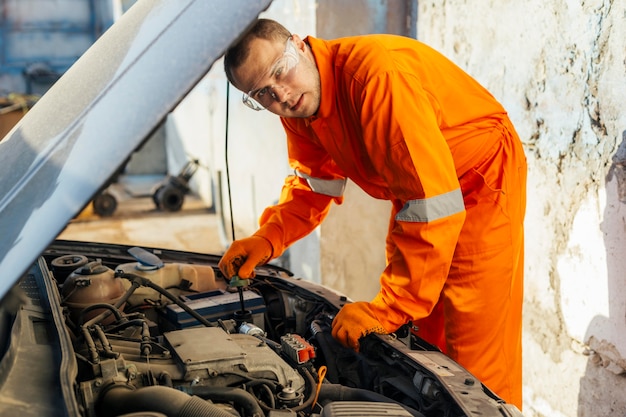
point(237, 53)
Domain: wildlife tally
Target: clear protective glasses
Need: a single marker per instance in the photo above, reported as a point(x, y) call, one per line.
point(280, 72)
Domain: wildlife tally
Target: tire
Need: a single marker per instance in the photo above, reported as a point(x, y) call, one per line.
point(155, 196)
point(168, 198)
point(104, 204)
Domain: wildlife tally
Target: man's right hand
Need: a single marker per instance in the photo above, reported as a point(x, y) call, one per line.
point(244, 255)
point(354, 321)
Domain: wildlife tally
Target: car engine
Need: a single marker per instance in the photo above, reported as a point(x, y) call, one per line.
point(163, 333)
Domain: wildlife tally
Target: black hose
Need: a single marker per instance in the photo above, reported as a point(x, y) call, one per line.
point(311, 394)
point(326, 343)
point(239, 396)
point(147, 283)
point(336, 392)
point(117, 305)
point(116, 328)
point(269, 394)
point(121, 399)
point(312, 386)
point(166, 379)
point(252, 381)
point(89, 326)
point(110, 307)
point(115, 311)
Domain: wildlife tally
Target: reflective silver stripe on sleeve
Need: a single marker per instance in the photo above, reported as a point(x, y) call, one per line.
point(432, 208)
point(332, 188)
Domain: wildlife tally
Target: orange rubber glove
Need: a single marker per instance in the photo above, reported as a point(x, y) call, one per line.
point(355, 321)
point(244, 255)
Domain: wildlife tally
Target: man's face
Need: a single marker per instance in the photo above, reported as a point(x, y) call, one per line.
point(280, 76)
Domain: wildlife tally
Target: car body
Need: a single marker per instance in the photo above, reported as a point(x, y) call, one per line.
point(93, 329)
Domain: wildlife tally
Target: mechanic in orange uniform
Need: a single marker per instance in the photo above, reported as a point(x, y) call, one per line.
point(406, 125)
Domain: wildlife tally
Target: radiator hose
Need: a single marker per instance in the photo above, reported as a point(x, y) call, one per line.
point(237, 395)
point(118, 399)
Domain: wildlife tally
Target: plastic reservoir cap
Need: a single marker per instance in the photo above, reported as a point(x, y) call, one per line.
point(146, 258)
point(235, 281)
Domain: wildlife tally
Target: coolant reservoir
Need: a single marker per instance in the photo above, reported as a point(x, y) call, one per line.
point(92, 283)
point(171, 276)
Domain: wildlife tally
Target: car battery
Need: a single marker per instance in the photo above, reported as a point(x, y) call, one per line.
point(215, 305)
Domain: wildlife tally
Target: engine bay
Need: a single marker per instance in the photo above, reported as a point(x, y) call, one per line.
point(166, 335)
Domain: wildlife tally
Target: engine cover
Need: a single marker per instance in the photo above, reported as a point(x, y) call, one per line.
point(210, 356)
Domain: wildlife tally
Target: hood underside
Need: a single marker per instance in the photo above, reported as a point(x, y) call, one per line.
point(65, 149)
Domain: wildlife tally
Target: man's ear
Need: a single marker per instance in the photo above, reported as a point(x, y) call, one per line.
point(299, 42)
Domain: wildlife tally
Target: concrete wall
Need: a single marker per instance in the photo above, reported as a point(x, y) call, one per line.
point(559, 67)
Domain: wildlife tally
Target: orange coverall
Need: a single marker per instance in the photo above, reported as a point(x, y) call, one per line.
point(407, 125)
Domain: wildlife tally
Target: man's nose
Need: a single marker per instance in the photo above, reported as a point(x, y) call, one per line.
point(280, 93)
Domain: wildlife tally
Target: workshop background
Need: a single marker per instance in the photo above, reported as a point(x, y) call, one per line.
point(558, 67)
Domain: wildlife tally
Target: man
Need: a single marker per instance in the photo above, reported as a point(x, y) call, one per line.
point(409, 126)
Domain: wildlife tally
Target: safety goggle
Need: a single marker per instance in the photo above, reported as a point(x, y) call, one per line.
point(280, 72)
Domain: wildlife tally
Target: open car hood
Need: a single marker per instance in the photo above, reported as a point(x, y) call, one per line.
point(65, 149)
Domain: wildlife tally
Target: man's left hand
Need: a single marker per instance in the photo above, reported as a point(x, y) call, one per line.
point(355, 321)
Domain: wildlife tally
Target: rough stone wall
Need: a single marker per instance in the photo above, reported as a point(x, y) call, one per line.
point(559, 68)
